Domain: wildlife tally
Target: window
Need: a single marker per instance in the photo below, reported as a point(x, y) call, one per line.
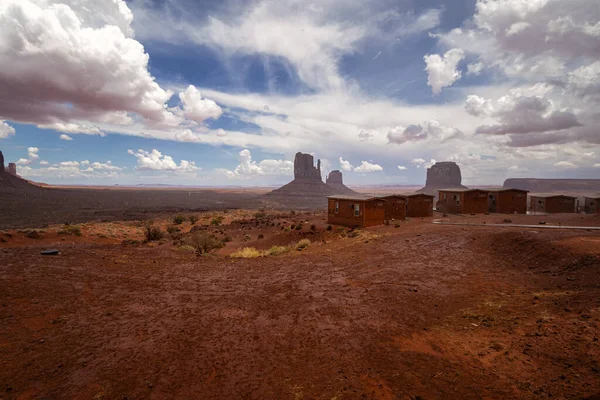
point(457, 200)
point(337, 206)
point(356, 210)
point(444, 196)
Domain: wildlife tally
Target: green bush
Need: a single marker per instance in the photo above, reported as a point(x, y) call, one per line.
point(217, 220)
point(178, 220)
point(313, 227)
point(70, 230)
point(261, 236)
point(277, 250)
point(329, 227)
point(193, 219)
point(298, 227)
point(246, 238)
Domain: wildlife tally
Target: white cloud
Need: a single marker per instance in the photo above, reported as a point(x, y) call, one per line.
point(43, 162)
point(156, 161)
point(368, 167)
point(196, 108)
point(478, 106)
point(475, 68)
point(402, 168)
point(32, 152)
point(72, 170)
point(248, 168)
point(565, 164)
point(65, 137)
point(73, 128)
point(430, 129)
point(345, 165)
point(597, 165)
point(442, 70)
point(6, 130)
point(418, 161)
point(107, 166)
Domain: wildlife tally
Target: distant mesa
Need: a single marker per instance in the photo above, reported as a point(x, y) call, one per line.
point(308, 190)
point(1, 162)
point(442, 175)
point(336, 181)
point(10, 181)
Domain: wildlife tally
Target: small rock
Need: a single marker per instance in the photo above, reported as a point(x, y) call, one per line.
point(41, 340)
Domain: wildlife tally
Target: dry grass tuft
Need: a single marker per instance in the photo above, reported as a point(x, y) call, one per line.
point(247, 252)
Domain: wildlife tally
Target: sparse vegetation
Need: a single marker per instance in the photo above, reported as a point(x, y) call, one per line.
point(186, 247)
point(329, 227)
point(298, 227)
point(277, 250)
point(70, 230)
point(260, 215)
point(173, 229)
point(302, 244)
point(152, 232)
point(261, 236)
point(204, 243)
point(227, 239)
point(247, 252)
point(33, 235)
point(313, 227)
point(217, 220)
point(178, 220)
point(246, 238)
point(193, 219)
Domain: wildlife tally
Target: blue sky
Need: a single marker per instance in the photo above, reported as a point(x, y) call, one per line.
point(226, 92)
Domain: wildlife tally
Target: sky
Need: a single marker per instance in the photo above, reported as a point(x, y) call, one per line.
point(225, 92)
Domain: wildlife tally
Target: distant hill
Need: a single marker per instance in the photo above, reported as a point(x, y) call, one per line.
point(553, 185)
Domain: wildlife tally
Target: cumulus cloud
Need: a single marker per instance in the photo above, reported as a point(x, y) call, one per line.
point(6, 130)
point(248, 167)
point(196, 108)
point(418, 161)
point(69, 170)
point(565, 164)
point(156, 161)
point(402, 168)
point(442, 71)
point(345, 165)
point(478, 106)
point(366, 166)
point(429, 129)
point(65, 137)
point(32, 156)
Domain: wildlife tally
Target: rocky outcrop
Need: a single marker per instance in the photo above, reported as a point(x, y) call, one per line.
point(10, 182)
point(307, 190)
point(336, 181)
point(553, 185)
point(1, 162)
point(442, 175)
point(12, 169)
point(304, 167)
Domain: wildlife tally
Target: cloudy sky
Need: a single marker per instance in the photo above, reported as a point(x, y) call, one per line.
point(225, 92)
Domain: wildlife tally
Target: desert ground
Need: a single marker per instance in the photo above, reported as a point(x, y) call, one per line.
point(411, 310)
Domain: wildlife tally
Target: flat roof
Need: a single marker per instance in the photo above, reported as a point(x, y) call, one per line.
point(461, 190)
point(357, 197)
point(414, 194)
point(500, 189)
point(547, 195)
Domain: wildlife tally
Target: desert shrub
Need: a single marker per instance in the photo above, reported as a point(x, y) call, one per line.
point(217, 220)
point(329, 227)
point(152, 232)
point(173, 229)
point(397, 226)
point(353, 233)
point(33, 235)
point(178, 220)
point(227, 239)
point(277, 250)
point(246, 238)
point(302, 244)
point(70, 230)
point(286, 229)
point(204, 243)
point(313, 227)
point(193, 219)
point(261, 236)
point(260, 215)
point(246, 252)
point(298, 227)
point(292, 226)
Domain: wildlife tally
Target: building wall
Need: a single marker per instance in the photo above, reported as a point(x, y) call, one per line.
point(451, 202)
point(371, 213)
point(374, 212)
point(510, 202)
point(556, 205)
point(475, 201)
point(395, 207)
point(592, 205)
point(419, 206)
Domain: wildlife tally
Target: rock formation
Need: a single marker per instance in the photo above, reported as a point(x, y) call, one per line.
point(12, 169)
point(307, 190)
point(335, 180)
point(1, 162)
point(11, 182)
point(304, 167)
point(442, 175)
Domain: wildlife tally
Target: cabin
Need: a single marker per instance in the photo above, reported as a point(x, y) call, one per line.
point(592, 204)
point(395, 207)
point(355, 211)
point(507, 201)
point(552, 203)
point(419, 205)
point(463, 201)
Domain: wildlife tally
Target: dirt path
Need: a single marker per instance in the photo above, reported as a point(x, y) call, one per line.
point(418, 312)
